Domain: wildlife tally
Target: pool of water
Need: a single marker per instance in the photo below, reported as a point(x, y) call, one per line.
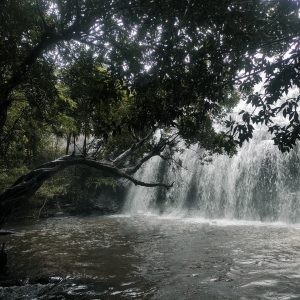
point(151, 257)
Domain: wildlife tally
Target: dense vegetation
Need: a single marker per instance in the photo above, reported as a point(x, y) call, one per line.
point(117, 82)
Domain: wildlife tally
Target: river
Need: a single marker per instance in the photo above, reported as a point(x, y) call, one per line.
point(152, 257)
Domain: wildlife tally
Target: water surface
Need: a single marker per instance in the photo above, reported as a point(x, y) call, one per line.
point(150, 257)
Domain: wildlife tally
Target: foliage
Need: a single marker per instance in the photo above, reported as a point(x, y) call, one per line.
point(109, 72)
point(173, 54)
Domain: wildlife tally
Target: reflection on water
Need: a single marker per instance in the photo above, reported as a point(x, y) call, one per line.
point(148, 257)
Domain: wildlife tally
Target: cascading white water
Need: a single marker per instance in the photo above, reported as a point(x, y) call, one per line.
point(258, 183)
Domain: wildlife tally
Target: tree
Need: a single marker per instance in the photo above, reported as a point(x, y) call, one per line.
point(194, 49)
point(175, 65)
point(277, 105)
point(95, 104)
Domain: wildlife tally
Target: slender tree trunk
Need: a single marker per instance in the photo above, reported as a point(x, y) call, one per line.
point(68, 143)
point(56, 147)
point(74, 143)
point(84, 150)
point(20, 74)
point(4, 105)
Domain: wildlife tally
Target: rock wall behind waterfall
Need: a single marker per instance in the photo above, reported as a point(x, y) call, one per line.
point(258, 183)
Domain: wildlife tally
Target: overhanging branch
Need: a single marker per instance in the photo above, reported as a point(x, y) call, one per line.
point(28, 184)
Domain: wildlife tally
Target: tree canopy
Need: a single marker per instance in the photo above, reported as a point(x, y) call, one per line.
point(114, 72)
point(174, 54)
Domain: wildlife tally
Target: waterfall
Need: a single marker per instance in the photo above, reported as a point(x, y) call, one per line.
point(258, 183)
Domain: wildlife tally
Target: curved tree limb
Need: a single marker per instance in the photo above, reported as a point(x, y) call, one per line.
point(26, 186)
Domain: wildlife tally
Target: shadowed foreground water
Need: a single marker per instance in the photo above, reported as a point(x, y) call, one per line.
point(148, 257)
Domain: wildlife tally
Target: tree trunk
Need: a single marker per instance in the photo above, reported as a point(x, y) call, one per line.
point(47, 39)
point(26, 186)
point(74, 143)
point(4, 105)
point(84, 150)
point(68, 143)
